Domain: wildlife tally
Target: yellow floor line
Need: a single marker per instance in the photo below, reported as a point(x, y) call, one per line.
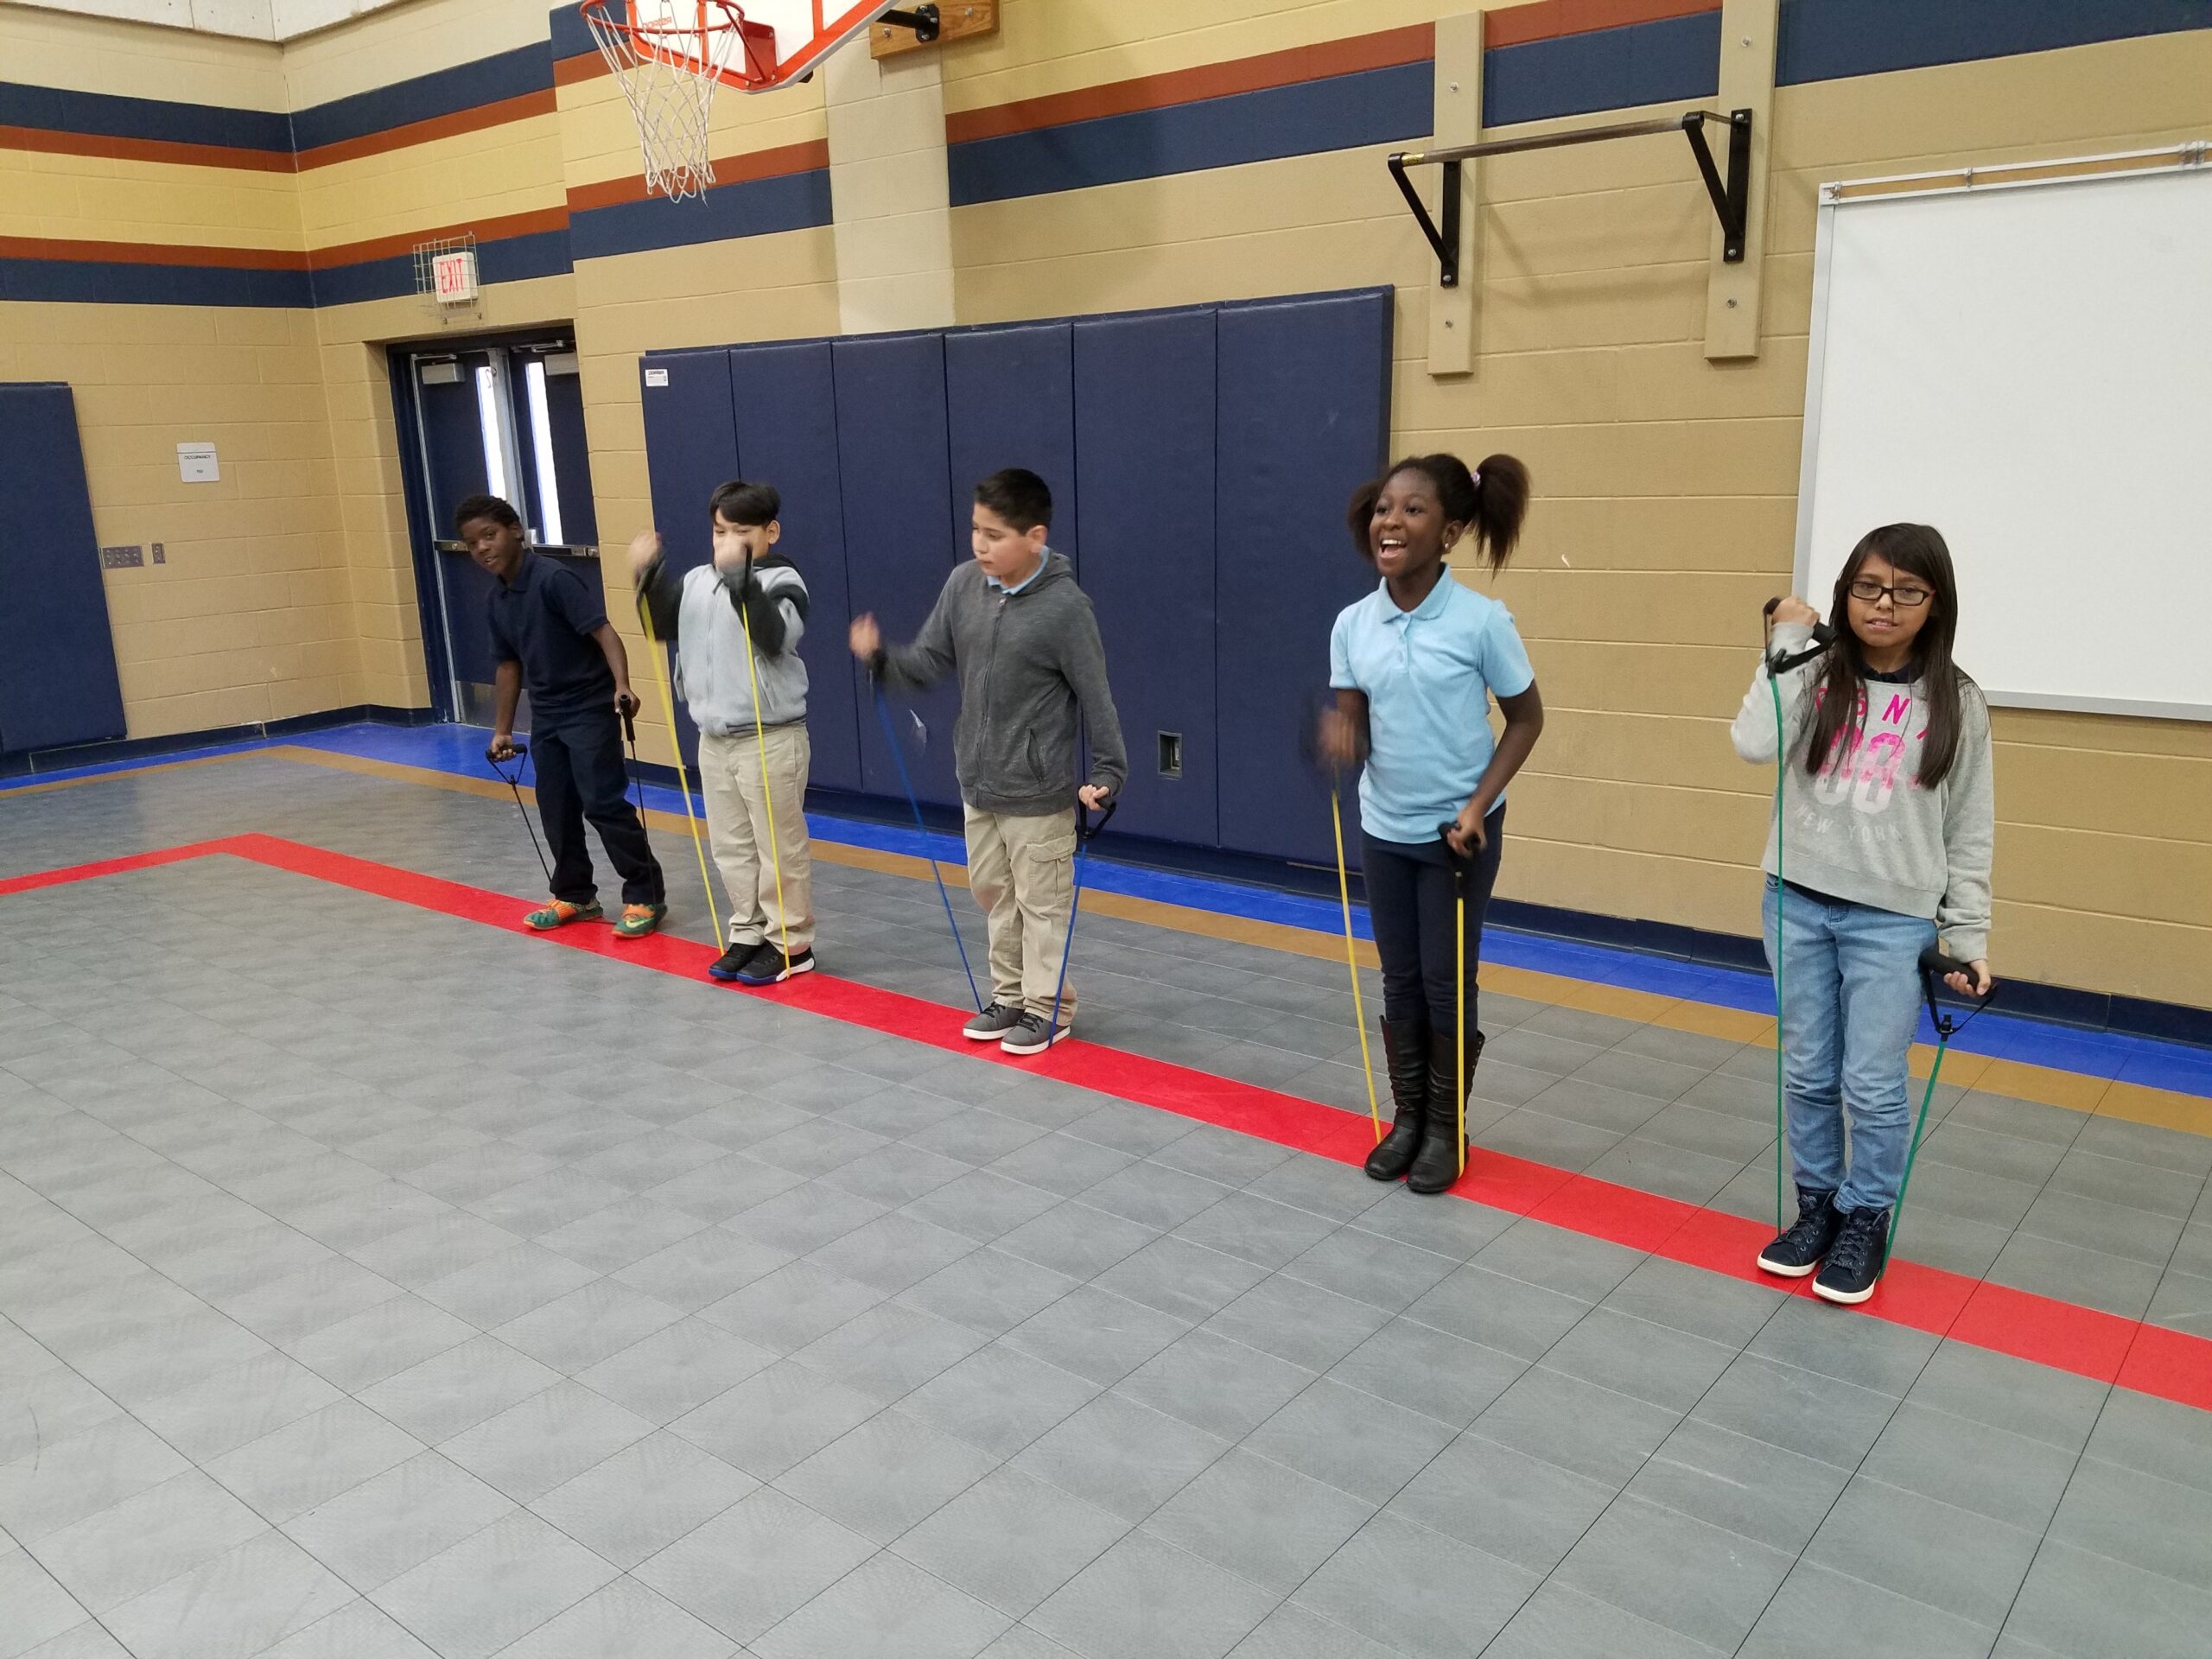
point(2099, 1096)
point(11, 791)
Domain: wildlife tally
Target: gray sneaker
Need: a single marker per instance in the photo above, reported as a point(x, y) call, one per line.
point(992, 1023)
point(1033, 1034)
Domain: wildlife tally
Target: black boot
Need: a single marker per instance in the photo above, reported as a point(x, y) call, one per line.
point(1405, 1042)
point(1437, 1165)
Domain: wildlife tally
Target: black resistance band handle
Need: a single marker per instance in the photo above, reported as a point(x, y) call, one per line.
point(1935, 966)
point(1461, 866)
point(1823, 637)
point(520, 748)
point(1084, 829)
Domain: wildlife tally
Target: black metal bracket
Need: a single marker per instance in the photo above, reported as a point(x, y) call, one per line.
point(1446, 241)
point(1731, 195)
point(922, 19)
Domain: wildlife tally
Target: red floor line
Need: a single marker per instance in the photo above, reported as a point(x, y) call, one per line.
point(62, 878)
point(2151, 1359)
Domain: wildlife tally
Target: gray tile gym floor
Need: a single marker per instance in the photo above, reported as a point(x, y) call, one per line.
point(373, 1283)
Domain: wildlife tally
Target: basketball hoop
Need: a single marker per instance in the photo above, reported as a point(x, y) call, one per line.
point(668, 56)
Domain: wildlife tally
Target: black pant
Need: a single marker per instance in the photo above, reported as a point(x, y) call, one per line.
point(1411, 901)
point(579, 775)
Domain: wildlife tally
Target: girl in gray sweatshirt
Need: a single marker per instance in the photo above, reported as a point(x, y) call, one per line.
point(1888, 808)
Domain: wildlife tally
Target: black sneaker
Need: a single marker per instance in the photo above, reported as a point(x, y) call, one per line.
point(731, 963)
point(1798, 1252)
point(1856, 1259)
point(992, 1023)
point(770, 966)
point(1032, 1035)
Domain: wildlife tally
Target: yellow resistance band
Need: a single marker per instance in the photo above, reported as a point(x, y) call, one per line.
point(683, 780)
point(1351, 962)
point(760, 737)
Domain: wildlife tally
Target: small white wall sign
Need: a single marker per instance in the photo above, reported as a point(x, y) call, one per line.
point(195, 463)
point(455, 277)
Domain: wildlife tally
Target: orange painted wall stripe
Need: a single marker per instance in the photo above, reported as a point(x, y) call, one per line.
point(46, 141)
point(1516, 26)
point(150, 253)
point(777, 161)
point(1291, 67)
point(585, 66)
point(519, 108)
point(1551, 20)
point(529, 223)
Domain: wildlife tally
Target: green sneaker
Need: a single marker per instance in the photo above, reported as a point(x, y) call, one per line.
point(638, 920)
point(560, 913)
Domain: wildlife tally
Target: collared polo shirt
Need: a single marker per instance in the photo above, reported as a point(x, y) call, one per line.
point(1043, 559)
point(1428, 674)
point(545, 621)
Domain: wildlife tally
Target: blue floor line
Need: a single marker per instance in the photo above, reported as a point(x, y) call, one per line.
point(458, 750)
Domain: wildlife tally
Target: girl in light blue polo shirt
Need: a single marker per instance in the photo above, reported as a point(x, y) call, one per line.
point(1413, 665)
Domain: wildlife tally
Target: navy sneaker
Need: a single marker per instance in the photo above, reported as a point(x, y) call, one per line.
point(1856, 1259)
point(1799, 1251)
point(770, 966)
point(731, 963)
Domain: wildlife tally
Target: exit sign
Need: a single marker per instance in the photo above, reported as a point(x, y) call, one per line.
point(453, 275)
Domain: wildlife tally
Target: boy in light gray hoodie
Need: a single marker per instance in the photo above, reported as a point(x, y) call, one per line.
point(1022, 638)
point(754, 749)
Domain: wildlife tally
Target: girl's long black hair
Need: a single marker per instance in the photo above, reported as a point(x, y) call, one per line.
point(1492, 501)
point(1913, 550)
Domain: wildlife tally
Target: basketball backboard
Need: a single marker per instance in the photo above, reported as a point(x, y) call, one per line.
point(784, 40)
point(669, 56)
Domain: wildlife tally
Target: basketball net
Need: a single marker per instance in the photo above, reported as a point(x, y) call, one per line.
point(668, 70)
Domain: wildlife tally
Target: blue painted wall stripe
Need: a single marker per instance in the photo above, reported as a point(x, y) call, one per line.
point(1375, 106)
point(571, 35)
point(52, 109)
point(83, 281)
point(792, 202)
point(1674, 59)
point(442, 92)
point(506, 259)
point(1831, 40)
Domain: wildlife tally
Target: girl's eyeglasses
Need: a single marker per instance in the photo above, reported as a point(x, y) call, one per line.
point(1870, 592)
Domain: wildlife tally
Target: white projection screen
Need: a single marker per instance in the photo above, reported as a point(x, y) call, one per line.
point(2028, 367)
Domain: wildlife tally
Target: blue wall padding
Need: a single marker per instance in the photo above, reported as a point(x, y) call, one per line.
point(1208, 453)
point(690, 446)
point(57, 683)
point(1305, 419)
point(1009, 399)
point(1144, 399)
point(787, 402)
point(898, 491)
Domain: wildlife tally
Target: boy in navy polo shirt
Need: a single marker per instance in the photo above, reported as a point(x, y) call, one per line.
point(550, 632)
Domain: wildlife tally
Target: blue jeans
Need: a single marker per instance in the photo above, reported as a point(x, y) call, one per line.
point(1850, 1006)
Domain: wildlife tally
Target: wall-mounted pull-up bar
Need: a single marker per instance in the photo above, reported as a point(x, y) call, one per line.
point(1731, 196)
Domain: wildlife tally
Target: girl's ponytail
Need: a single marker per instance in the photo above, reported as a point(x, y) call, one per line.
point(1491, 501)
point(1501, 507)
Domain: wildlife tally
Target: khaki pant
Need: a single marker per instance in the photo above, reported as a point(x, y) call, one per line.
point(737, 829)
point(1022, 873)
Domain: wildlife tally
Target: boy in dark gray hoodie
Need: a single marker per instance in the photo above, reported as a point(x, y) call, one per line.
point(1020, 634)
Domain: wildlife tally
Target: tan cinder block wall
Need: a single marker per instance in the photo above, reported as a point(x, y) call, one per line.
point(251, 618)
point(1666, 484)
